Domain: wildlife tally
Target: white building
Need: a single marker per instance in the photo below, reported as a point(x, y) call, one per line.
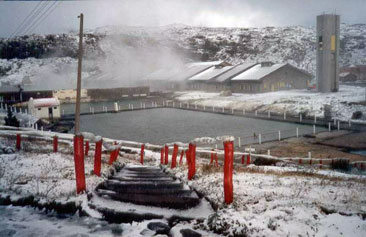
point(48, 108)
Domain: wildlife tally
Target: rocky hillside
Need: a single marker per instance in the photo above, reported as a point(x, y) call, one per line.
point(131, 52)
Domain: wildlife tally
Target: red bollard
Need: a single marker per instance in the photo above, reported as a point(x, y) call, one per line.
point(112, 157)
point(192, 162)
point(321, 164)
point(212, 157)
point(162, 156)
point(55, 144)
point(174, 156)
point(242, 159)
point(79, 163)
point(166, 154)
point(98, 158)
point(300, 161)
point(181, 158)
point(248, 159)
point(217, 163)
point(188, 157)
point(17, 145)
point(228, 171)
point(142, 154)
point(87, 148)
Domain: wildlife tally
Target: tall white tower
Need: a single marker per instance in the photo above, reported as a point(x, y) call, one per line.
point(327, 60)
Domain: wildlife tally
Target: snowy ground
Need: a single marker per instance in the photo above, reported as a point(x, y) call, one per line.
point(294, 101)
point(268, 201)
point(284, 201)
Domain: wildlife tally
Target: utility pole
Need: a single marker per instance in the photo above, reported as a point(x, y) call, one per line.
point(78, 87)
point(78, 138)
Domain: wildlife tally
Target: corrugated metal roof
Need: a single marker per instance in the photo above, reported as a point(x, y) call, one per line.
point(234, 71)
point(180, 73)
point(257, 72)
point(210, 73)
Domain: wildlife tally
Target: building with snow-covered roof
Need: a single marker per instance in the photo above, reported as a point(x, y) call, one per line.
point(176, 78)
point(46, 108)
point(268, 76)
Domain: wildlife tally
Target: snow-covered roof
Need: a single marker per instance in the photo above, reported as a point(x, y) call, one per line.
point(210, 73)
point(257, 72)
point(234, 71)
point(344, 74)
point(180, 73)
point(45, 102)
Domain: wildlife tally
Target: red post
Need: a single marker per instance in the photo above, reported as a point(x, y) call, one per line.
point(248, 159)
point(98, 158)
point(242, 159)
point(86, 148)
point(166, 154)
point(181, 157)
point(174, 156)
point(79, 163)
point(212, 157)
point(142, 154)
point(217, 163)
point(111, 157)
point(192, 163)
point(17, 146)
point(55, 144)
point(162, 156)
point(188, 155)
point(228, 171)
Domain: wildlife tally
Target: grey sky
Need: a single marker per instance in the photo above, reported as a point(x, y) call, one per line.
point(220, 13)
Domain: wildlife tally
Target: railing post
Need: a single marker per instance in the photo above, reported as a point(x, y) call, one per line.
point(269, 114)
point(87, 148)
point(314, 118)
point(228, 171)
point(260, 138)
point(174, 156)
point(18, 141)
point(284, 115)
point(279, 135)
point(166, 155)
point(162, 155)
point(192, 161)
point(329, 127)
point(55, 144)
point(314, 129)
point(239, 143)
point(338, 125)
point(300, 117)
point(142, 154)
point(297, 132)
point(79, 163)
point(98, 157)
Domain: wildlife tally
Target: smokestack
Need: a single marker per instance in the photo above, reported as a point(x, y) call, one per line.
point(327, 68)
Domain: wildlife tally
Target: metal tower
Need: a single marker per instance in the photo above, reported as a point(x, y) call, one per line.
point(327, 60)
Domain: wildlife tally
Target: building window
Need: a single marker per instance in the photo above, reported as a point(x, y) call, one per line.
point(54, 107)
point(241, 87)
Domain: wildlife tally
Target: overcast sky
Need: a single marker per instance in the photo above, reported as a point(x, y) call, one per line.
point(213, 13)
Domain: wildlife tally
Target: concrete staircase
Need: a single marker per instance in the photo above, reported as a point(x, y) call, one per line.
point(139, 193)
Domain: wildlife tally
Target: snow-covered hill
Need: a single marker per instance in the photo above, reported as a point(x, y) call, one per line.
point(128, 53)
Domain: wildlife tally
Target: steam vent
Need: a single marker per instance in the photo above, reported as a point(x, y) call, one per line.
point(327, 68)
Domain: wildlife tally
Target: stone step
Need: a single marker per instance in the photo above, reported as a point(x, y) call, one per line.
point(181, 201)
point(161, 191)
point(123, 185)
point(138, 179)
point(143, 176)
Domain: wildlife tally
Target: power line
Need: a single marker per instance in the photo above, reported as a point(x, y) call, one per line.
point(45, 14)
point(36, 17)
point(25, 19)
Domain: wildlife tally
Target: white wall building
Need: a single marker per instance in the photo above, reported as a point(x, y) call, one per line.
point(48, 108)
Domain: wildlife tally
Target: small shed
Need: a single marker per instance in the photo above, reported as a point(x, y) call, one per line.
point(47, 108)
